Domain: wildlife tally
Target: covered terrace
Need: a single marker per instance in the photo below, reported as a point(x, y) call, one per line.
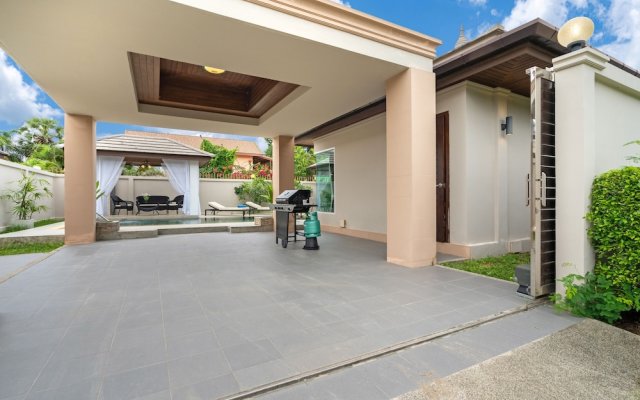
point(278, 68)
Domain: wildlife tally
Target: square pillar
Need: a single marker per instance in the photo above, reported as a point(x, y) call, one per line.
point(283, 170)
point(79, 179)
point(411, 168)
point(575, 78)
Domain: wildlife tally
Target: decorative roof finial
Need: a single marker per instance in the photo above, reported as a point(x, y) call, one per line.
point(462, 39)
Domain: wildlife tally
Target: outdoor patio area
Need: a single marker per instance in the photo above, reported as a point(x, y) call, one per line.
point(211, 315)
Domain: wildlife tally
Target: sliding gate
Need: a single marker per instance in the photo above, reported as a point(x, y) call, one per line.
point(542, 184)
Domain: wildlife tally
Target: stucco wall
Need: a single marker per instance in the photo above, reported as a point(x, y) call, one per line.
point(219, 190)
point(360, 176)
point(597, 112)
point(617, 123)
point(488, 170)
point(10, 172)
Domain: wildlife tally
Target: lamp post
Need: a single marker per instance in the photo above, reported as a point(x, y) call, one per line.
point(574, 33)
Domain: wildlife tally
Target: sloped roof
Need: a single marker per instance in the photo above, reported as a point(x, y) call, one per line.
point(148, 147)
point(244, 147)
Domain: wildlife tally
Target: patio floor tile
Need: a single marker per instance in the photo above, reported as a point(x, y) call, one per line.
point(136, 383)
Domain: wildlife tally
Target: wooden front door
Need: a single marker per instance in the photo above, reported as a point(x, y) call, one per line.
point(442, 177)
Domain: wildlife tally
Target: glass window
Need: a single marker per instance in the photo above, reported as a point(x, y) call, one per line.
point(325, 180)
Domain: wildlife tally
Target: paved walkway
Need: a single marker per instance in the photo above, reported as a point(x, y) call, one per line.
point(589, 360)
point(210, 315)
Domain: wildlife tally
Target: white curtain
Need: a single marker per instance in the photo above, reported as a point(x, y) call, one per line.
point(108, 170)
point(184, 177)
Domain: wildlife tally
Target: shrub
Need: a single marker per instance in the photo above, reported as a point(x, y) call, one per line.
point(257, 190)
point(594, 296)
point(25, 198)
point(615, 231)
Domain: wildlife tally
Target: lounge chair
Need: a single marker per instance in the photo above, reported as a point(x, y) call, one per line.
point(217, 207)
point(176, 203)
point(256, 207)
point(119, 204)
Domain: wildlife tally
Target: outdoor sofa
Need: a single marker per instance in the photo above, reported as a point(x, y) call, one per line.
point(152, 204)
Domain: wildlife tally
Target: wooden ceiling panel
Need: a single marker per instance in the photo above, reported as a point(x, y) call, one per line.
point(171, 83)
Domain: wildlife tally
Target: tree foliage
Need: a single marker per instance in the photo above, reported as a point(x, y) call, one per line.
point(36, 143)
point(223, 160)
point(303, 158)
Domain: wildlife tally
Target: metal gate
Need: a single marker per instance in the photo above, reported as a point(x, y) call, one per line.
point(542, 184)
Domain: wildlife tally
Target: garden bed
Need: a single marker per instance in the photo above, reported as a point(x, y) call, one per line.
point(501, 267)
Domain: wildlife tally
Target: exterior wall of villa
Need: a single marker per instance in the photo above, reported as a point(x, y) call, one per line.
point(488, 170)
point(360, 179)
point(597, 106)
point(11, 172)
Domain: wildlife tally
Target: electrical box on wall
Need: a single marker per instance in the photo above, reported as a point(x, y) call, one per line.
point(343, 223)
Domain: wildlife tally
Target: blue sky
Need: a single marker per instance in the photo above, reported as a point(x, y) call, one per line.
point(617, 33)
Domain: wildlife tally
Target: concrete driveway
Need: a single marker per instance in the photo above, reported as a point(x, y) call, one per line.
point(212, 315)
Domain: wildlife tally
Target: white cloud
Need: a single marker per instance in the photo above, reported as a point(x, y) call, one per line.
point(623, 20)
point(343, 2)
point(552, 11)
point(20, 101)
point(478, 2)
point(495, 13)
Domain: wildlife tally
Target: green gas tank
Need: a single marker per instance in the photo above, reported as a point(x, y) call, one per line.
point(311, 231)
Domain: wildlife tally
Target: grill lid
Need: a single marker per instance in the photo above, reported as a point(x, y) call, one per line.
point(293, 196)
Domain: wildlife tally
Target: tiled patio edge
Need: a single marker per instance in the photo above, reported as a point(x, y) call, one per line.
point(279, 384)
point(10, 275)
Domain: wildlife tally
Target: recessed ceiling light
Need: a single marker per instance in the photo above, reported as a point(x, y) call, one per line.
point(213, 70)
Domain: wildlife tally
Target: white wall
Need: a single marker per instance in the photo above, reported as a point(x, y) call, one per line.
point(597, 111)
point(360, 176)
point(11, 172)
point(488, 170)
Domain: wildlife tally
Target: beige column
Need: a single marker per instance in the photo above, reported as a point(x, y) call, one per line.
point(79, 179)
point(283, 170)
point(575, 77)
point(411, 168)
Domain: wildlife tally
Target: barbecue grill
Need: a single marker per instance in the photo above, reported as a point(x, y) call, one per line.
point(287, 203)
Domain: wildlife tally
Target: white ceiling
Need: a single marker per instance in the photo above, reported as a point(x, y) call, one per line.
point(76, 50)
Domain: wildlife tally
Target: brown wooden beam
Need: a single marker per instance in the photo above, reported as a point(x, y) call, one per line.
point(350, 118)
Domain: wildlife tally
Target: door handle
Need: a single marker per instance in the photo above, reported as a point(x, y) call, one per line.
point(543, 190)
point(440, 185)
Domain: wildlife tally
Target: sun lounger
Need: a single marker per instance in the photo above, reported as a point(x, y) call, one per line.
point(256, 207)
point(217, 207)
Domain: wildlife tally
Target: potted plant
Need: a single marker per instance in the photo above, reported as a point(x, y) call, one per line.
point(26, 197)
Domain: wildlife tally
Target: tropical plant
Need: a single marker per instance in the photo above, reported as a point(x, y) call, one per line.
point(595, 296)
point(257, 190)
point(24, 141)
point(303, 158)
point(634, 158)
point(99, 192)
point(25, 198)
point(223, 160)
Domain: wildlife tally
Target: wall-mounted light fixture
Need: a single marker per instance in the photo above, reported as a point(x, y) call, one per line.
point(507, 126)
point(574, 33)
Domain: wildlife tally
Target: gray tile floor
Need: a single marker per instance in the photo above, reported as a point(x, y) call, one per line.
point(208, 315)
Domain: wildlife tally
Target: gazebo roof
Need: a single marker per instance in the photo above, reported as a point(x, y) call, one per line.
point(137, 149)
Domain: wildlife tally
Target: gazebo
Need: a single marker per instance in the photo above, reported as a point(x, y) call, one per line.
point(180, 162)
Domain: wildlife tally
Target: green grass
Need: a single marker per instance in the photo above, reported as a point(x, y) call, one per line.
point(13, 228)
point(502, 267)
point(26, 248)
point(48, 221)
